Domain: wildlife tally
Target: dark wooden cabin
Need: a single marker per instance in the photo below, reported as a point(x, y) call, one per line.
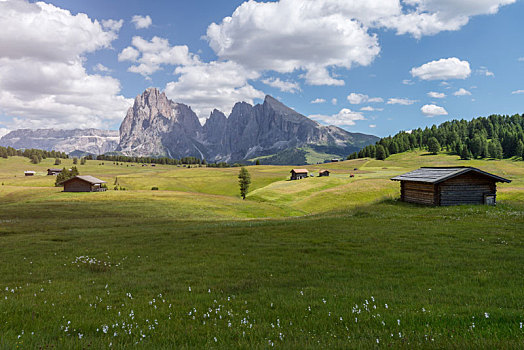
point(84, 183)
point(449, 186)
point(323, 173)
point(53, 171)
point(297, 174)
point(29, 173)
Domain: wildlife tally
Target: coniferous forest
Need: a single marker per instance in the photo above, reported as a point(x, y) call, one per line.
point(496, 136)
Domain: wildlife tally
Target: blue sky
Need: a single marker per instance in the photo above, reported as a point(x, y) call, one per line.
point(372, 66)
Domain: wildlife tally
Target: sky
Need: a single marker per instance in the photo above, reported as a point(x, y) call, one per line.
point(370, 66)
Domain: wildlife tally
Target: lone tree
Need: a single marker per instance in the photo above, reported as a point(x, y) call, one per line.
point(381, 153)
point(433, 145)
point(244, 179)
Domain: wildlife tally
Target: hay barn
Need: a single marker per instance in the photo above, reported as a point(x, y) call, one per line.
point(449, 186)
point(29, 173)
point(297, 174)
point(84, 183)
point(323, 173)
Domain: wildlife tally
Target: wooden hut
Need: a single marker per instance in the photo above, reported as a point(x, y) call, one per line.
point(29, 173)
point(84, 183)
point(297, 174)
point(53, 171)
point(323, 172)
point(449, 186)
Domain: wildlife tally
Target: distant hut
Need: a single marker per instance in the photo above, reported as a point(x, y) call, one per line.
point(29, 173)
point(449, 186)
point(297, 174)
point(323, 172)
point(53, 171)
point(84, 183)
point(335, 160)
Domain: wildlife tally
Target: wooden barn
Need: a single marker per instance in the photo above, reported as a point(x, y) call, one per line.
point(449, 186)
point(323, 172)
point(297, 174)
point(53, 171)
point(29, 173)
point(84, 183)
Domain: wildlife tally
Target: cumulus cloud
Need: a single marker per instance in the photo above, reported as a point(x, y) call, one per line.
point(318, 100)
point(44, 82)
point(400, 101)
point(151, 55)
point(356, 99)
point(433, 110)
point(141, 22)
point(205, 86)
point(334, 101)
point(345, 117)
point(294, 35)
point(284, 86)
point(462, 92)
point(443, 69)
point(517, 92)
point(112, 25)
point(372, 125)
point(521, 59)
point(434, 94)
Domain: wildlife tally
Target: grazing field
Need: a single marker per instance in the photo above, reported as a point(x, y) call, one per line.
point(318, 263)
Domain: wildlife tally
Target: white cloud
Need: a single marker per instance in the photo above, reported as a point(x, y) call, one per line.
point(434, 94)
point(99, 67)
point(521, 59)
point(334, 101)
point(433, 110)
point(284, 86)
point(205, 86)
point(141, 22)
point(371, 109)
point(462, 92)
point(345, 117)
point(318, 100)
point(292, 35)
point(484, 71)
point(400, 101)
point(44, 82)
point(372, 125)
point(407, 82)
point(517, 92)
point(112, 25)
point(443, 69)
point(4, 131)
point(152, 55)
point(356, 99)
point(128, 54)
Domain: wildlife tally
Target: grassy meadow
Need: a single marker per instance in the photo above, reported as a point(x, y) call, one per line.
point(332, 262)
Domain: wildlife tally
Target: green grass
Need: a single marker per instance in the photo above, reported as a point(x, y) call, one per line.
point(299, 264)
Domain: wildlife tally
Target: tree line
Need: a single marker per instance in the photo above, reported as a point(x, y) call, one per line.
point(36, 155)
point(497, 136)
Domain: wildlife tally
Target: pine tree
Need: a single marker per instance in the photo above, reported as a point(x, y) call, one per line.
point(58, 161)
point(258, 162)
point(520, 149)
point(75, 160)
point(433, 145)
point(34, 159)
point(465, 153)
point(381, 152)
point(244, 179)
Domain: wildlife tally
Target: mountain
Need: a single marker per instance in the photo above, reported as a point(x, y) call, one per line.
point(84, 140)
point(158, 126)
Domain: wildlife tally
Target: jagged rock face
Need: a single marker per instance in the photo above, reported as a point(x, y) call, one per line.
point(156, 126)
point(86, 140)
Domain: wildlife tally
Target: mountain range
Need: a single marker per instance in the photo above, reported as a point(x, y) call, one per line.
point(156, 126)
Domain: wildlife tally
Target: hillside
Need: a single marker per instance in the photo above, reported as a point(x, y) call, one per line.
point(322, 262)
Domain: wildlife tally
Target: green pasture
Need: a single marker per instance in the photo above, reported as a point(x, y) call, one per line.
point(318, 263)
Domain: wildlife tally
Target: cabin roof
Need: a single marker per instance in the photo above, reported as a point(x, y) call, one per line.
point(436, 175)
point(87, 178)
point(299, 171)
point(54, 169)
point(323, 171)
